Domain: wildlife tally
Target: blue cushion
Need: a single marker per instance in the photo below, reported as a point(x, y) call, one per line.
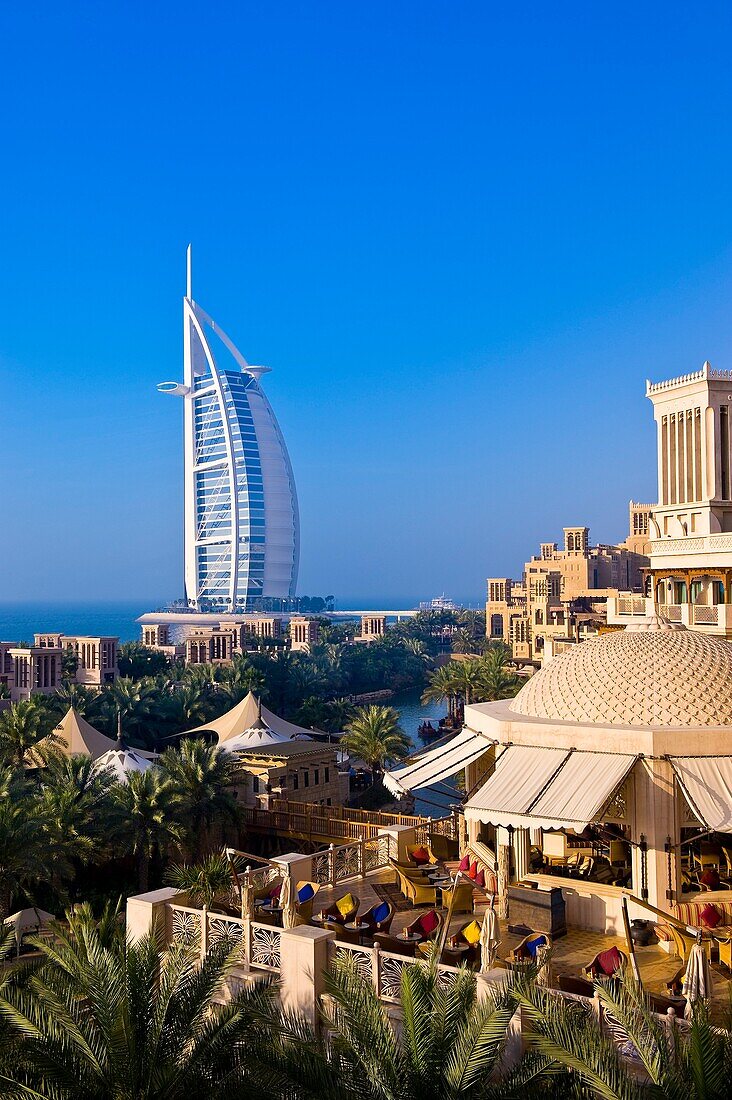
point(381, 912)
point(533, 945)
point(305, 892)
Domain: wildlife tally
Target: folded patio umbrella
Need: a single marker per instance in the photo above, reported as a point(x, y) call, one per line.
point(697, 979)
point(287, 901)
point(489, 940)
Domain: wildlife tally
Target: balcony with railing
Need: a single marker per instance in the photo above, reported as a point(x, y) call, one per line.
point(712, 618)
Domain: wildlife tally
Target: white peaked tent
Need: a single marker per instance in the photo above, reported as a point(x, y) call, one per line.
point(252, 724)
point(120, 761)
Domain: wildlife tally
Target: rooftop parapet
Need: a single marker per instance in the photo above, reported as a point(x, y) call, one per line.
point(707, 373)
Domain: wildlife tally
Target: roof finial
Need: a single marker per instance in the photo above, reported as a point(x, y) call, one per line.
point(259, 707)
point(188, 272)
point(119, 727)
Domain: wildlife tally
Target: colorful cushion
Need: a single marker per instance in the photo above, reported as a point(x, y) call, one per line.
point(345, 905)
point(465, 863)
point(710, 878)
point(473, 870)
point(710, 916)
point(381, 912)
point(429, 922)
point(609, 961)
point(275, 892)
point(306, 892)
point(480, 879)
point(472, 933)
point(420, 856)
point(533, 945)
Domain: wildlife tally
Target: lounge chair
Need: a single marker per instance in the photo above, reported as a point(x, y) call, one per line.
point(410, 870)
point(427, 925)
point(395, 944)
point(343, 910)
point(378, 917)
point(415, 850)
point(526, 951)
point(305, 894)
point(468, 935)
point(444, 848)
point(418, 892)
point(463, 898)
point(345, 935)
point(684, 941)
point(606, 964)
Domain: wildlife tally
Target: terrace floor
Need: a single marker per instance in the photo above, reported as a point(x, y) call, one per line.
point(571, 953)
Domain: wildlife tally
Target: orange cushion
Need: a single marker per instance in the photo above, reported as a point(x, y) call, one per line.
point(473, 870)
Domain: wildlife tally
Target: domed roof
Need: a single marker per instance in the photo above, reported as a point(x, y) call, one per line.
point(655, 673)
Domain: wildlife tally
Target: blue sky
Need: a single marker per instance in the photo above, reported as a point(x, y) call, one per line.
point(462, 235)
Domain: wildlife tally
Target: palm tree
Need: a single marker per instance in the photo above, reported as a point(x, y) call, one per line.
point(71, 694)
point(374, 735)
point(468, 679)
point(206, 882)
point(149, 808)
point(442, 685)
point(133, 703)
point(202, 777)
point(187, 706)
point(76, 805)
point(101, 1018)
point(497, 678)
point(463, 641)
point(27, 858)
point(340, 712)
point(447, 1046)
point(696, 1066)
point(21, 728)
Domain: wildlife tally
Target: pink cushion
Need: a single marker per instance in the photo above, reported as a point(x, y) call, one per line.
point(465, 862)
point(609, 961)
point(275, 892)
point(710, 916)
point(429, 922)
point(420, 856)
point(480, 878)
point(710, 878)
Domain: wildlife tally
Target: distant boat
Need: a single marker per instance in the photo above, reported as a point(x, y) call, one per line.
point(427, 733)
point(439, 603)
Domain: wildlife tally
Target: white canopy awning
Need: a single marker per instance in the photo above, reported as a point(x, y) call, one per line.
point(542, 788)
point(439, 763)
point(707, 785)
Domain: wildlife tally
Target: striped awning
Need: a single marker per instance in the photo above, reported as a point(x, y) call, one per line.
point(439, 763)
point(549, 788)
point(706, 782)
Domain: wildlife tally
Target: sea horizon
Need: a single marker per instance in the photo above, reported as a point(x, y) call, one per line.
point(20, 619)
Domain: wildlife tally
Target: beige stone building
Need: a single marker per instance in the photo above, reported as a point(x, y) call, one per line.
point(373, 628)
point(209, 638)
point(562, 595)
point(304, 633)
point(38, 669)
point(690, 528)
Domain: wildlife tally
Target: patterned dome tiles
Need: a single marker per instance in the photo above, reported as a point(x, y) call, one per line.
point(653, 675)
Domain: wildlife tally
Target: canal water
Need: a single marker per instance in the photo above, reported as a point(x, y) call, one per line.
point(432, 801)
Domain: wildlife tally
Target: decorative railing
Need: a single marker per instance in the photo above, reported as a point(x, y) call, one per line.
point(200, 930)
point(382, 968)
point(338, 822)
point(631, 605)
point(670, 611)
point(336, 864)
point(705, 613)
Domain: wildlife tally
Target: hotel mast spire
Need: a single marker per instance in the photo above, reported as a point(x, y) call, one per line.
point(188, 272)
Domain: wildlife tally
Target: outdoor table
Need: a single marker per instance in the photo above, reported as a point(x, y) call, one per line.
point(320, 918)
point(413, 937)
point(359, 926)
point(456, 951)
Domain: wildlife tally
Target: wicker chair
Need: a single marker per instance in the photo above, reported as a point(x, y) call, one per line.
point(343, 910)
point(594, 969)
point(684, 941)
point(375, 920)
point(304, 907)
point(426, 927)
point(443, 848)
point(526, 950)
point(418, 892)
point(463, 898)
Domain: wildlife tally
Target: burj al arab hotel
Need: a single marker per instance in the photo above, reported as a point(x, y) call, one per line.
point(241, 516)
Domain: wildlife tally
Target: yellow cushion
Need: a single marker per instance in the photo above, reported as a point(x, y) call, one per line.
point(345, 904)
point(472, 932)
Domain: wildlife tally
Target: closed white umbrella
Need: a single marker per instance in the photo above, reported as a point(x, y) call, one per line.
point(697, 979)
point(489, 940)
point(287, 902)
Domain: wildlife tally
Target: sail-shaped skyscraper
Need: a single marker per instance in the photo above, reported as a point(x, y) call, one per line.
point(241, 516)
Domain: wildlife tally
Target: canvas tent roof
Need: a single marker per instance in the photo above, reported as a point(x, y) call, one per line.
point(78, 736)
point(243, 717)
point(549, 788)
point(438, 763)
point(707, 785)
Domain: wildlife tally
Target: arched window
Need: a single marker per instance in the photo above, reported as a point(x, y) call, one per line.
point(539, 616)
point(570, 542)
point(496, 626)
